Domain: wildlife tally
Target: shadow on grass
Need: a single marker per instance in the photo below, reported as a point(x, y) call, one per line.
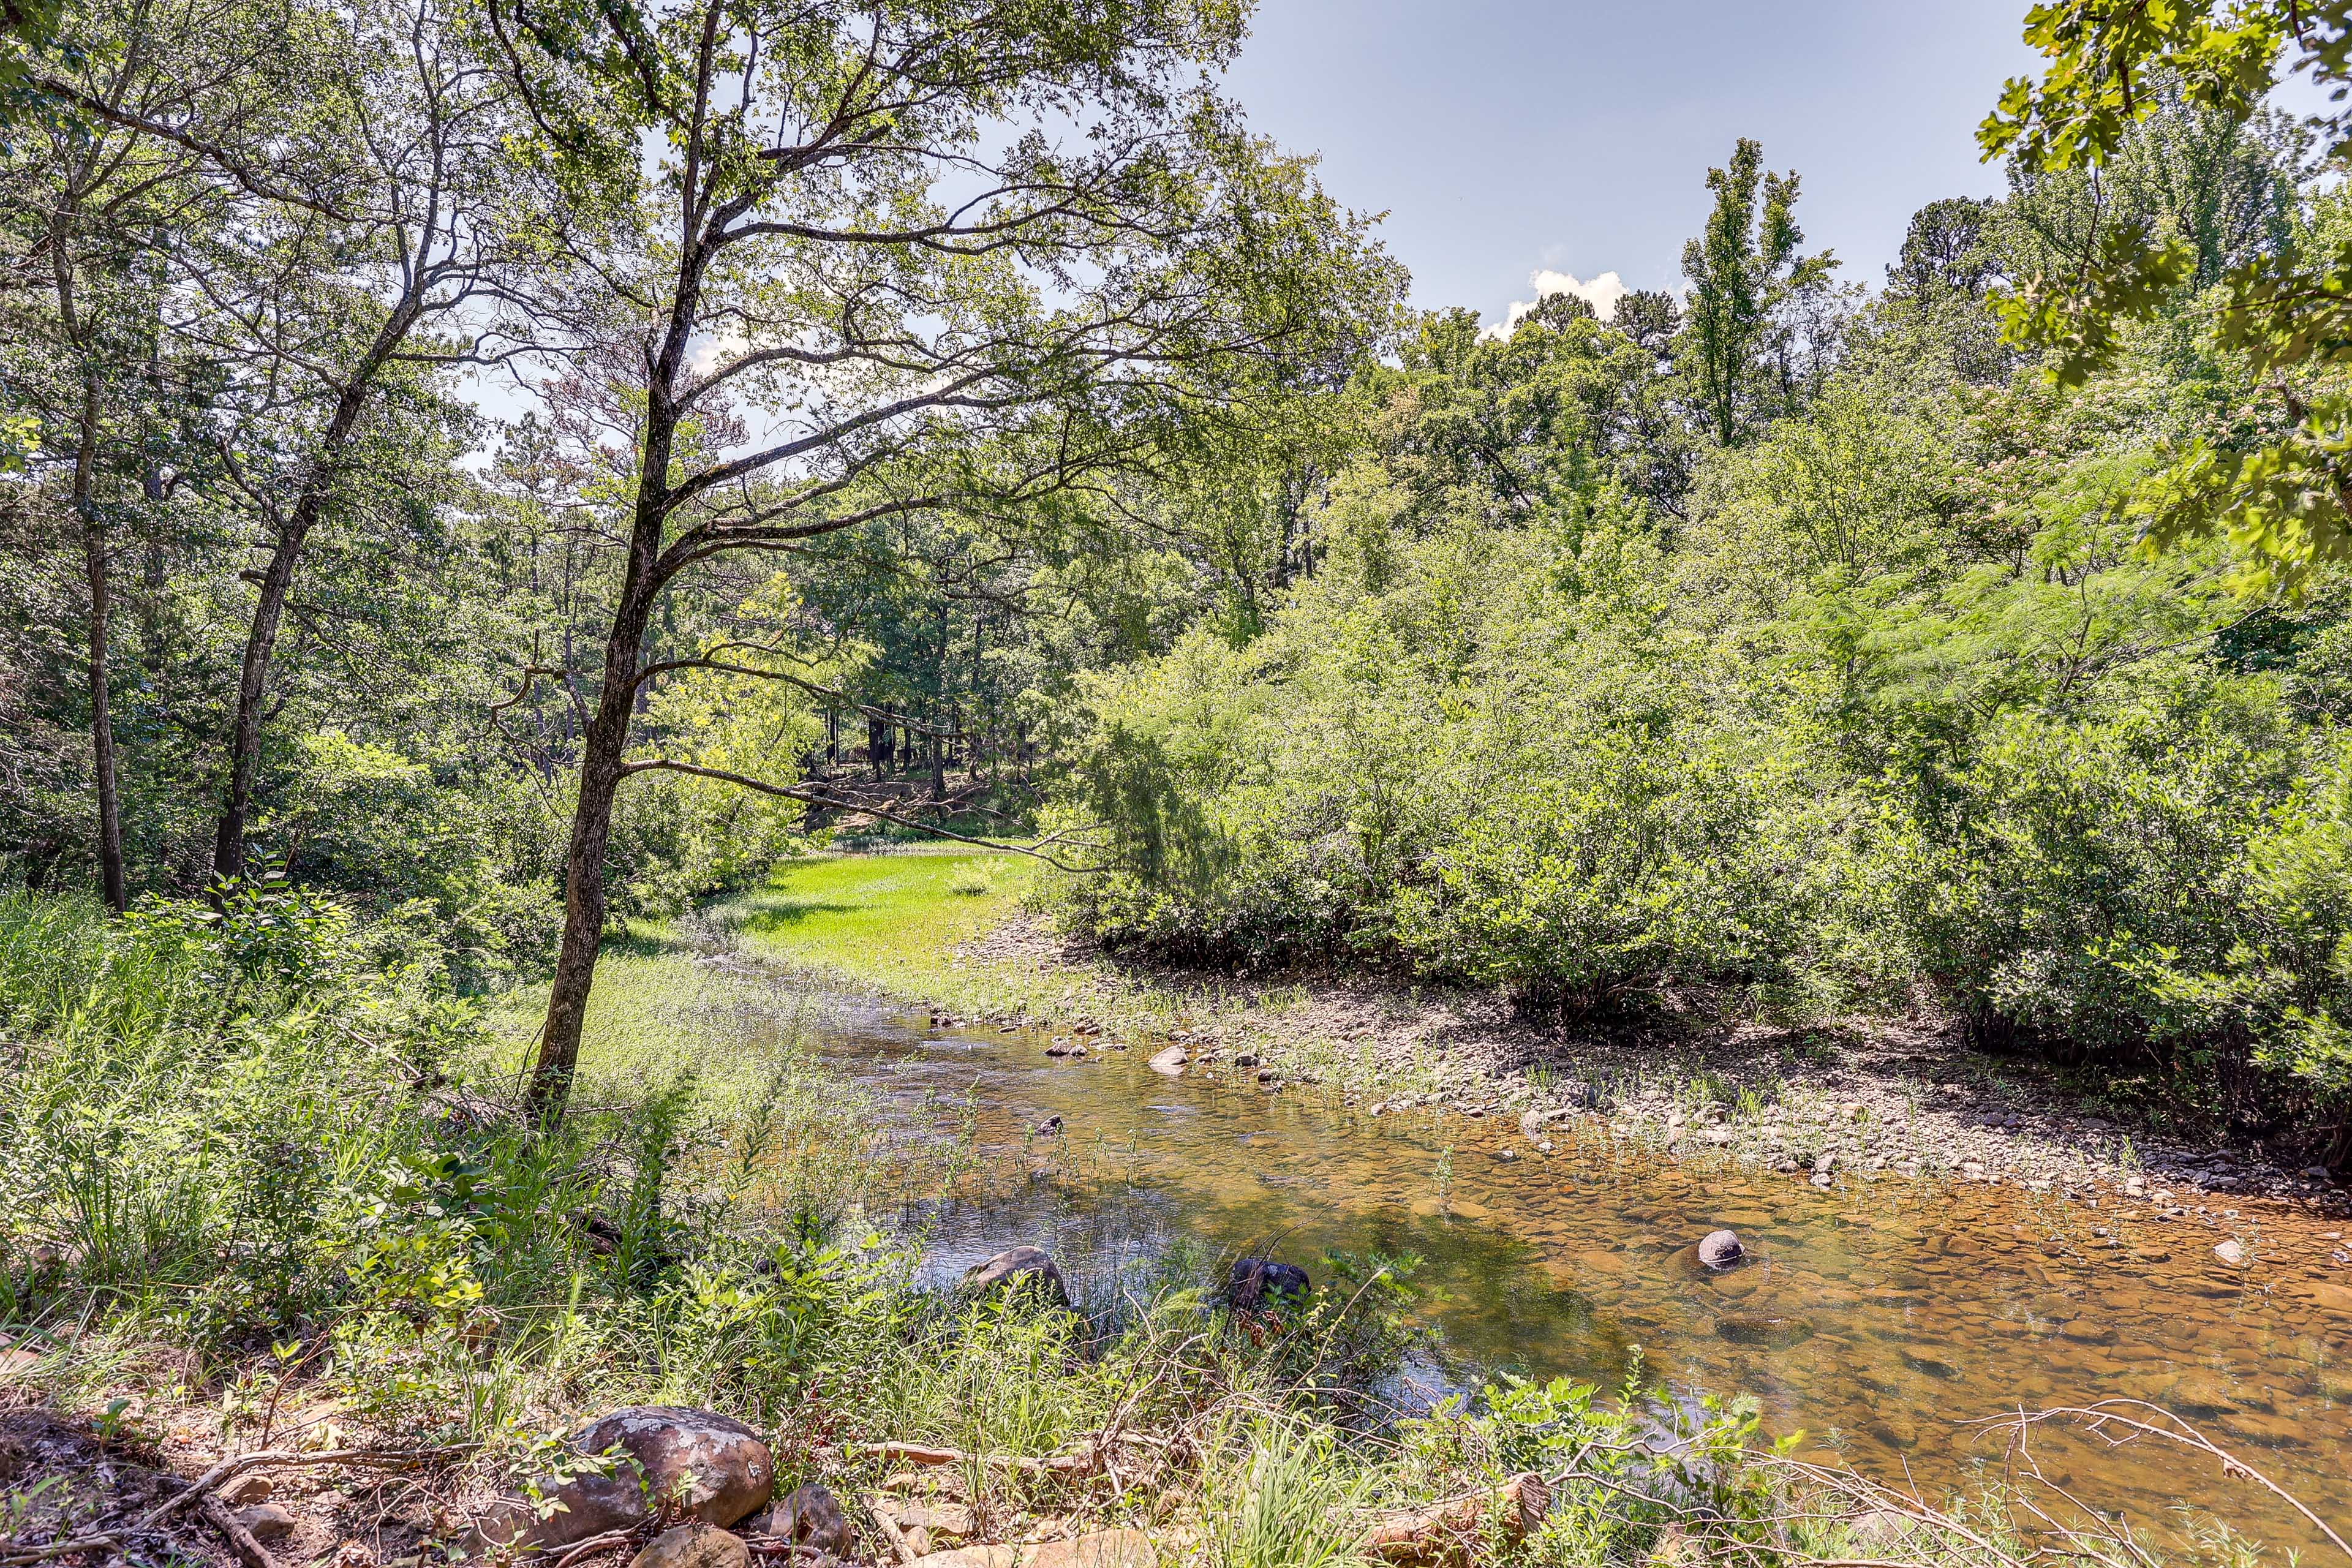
point(791, 911)
point(638, 942)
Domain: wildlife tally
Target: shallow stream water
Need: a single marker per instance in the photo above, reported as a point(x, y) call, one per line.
point(1882, 1319)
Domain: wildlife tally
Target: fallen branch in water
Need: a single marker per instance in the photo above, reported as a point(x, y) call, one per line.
point(2113, 1422)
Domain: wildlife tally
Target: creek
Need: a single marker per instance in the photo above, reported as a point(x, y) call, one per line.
point(1885, 1320)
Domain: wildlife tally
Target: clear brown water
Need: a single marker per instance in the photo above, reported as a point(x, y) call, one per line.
point(1880, 1319)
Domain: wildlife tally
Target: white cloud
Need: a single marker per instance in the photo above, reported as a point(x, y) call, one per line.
point(1601, 293)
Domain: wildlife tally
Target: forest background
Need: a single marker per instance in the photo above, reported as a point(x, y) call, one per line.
point(1795, 645)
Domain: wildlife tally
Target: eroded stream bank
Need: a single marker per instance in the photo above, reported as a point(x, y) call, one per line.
point(1880, 1318)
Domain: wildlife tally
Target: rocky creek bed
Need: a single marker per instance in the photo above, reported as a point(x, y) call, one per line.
point(1902, 1098)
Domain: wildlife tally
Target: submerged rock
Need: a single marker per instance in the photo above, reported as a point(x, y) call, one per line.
point(1030, 1268)
point(1721, 1249)
point(1760, 1329)
point(1255, 1283)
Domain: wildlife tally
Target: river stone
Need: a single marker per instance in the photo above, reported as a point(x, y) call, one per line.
point(940, 1521)
point(695, 1545)
point(1170, 1062)
point(583, 1506)
point(1029, 1268)
point(1532, 1124)
point(1721, 1249)
point(1254, 1279)
point(1096, 1549)
point(1757, 1328)
point(2231, 1252)
point(810, 1516)
point(997, 1555)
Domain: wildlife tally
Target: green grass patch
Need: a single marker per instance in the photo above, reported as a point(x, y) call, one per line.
point(892, 919)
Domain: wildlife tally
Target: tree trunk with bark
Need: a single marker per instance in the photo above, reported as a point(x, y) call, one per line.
point(87, 417)
point(602, 753)
point(102, 719)
point(278, 578)
point(252, 682)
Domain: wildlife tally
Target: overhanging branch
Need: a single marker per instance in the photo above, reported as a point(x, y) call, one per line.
point(811, 795)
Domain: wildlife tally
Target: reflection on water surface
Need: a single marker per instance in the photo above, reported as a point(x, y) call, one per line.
point(1879, 1318)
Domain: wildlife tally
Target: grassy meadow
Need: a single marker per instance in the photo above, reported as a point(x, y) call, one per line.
point(886, 920)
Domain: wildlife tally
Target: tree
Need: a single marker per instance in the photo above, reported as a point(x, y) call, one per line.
point(1943, 252)
point(931, 257)
point(409, 236)
point(1745, 270)
point(2284, 300)
point(99, 206)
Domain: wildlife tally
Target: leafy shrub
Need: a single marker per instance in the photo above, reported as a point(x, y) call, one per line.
point(2160, 887)
point(1471, 772)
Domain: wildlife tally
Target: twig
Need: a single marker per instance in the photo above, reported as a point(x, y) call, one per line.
point(925, 1455)
point(201, 1489)
point(2109, 1413)
point(581, 1550)
point(900, 1547)
point(249, 1551)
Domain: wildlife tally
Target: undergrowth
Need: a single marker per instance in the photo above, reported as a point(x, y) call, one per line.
point(253, 1167)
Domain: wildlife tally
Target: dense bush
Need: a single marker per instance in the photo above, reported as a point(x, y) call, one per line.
point(1903, 707)
point(1471, 771)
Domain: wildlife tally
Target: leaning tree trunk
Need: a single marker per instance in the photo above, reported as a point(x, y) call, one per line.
point(277, 579)
point(253, 677)
point(602, 751)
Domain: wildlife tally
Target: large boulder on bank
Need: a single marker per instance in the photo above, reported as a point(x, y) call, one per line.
point(1023, 1268)
point(1257, 1283)
point(714, 1467)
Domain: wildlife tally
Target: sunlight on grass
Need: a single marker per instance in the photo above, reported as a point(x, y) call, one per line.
point(880, 918)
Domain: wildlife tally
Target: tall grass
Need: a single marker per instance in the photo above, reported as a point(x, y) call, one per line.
point(243, 1161)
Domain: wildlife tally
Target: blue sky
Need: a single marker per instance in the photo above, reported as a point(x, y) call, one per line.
point(1507, 136)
